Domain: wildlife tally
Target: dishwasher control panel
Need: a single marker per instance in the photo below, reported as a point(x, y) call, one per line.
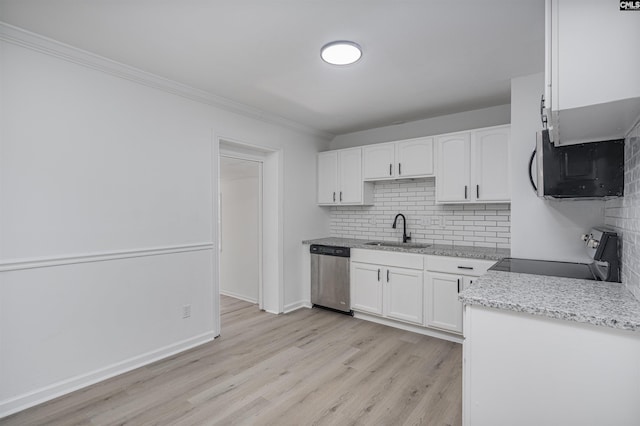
point(330, 250)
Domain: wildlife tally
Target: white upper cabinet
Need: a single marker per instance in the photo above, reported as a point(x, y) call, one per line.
point(339, 179)
point(327, 177)
point(402, 159)
point(473, 167)
point(453, 167)
point(592, 89)
point(415, 157)
point(490, 161)
point(350, 176)
point(379, 161)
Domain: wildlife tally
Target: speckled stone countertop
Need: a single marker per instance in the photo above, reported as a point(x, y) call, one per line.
point(436, 250)
point(594, 302)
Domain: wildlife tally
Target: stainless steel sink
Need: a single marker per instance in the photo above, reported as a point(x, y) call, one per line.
point(402, 245)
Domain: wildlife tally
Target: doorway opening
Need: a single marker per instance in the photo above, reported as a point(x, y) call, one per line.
point(240, 235)
point(239, 243)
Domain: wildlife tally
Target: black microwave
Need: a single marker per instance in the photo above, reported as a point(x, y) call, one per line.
point(593, 170)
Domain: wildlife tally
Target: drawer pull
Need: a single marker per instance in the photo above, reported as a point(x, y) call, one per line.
point(466, 267)
point(458, 285)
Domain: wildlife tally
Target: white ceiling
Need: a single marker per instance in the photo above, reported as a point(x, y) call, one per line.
point(422, 58)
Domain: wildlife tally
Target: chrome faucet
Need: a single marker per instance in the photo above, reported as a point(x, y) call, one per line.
point(405, 237)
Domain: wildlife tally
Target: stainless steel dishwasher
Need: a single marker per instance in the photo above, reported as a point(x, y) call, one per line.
point(330, 278)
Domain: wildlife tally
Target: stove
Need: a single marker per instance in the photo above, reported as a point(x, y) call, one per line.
point(545, 267)
point(602, 246)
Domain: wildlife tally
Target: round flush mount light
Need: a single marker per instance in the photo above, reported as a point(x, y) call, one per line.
point(341, 52)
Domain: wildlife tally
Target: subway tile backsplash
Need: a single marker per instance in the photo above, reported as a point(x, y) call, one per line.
point(624, 213)
point(479, 225)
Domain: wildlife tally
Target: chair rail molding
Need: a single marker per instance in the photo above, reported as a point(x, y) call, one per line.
point(46, 262)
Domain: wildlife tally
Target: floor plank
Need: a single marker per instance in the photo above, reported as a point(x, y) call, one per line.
point(308, 367)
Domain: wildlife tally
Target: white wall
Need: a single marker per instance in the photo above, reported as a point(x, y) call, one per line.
point(485, 117)
point(239, 271)
point(541, 229)
point(107, 219)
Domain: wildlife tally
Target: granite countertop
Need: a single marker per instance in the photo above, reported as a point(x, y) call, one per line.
point(436, 250)
point(594, 302)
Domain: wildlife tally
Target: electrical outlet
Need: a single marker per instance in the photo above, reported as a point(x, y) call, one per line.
point(186, 311)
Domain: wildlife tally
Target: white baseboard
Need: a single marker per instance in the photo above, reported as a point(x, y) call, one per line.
point(238, 296)
point(22, 402)
point(409, 327)
point(296, 305)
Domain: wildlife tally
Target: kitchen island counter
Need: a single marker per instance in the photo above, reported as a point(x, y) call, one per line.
point(593, 302)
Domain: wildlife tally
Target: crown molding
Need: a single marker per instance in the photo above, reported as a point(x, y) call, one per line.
point(21, 37)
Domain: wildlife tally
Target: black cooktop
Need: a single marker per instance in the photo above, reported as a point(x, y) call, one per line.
point(545, 267)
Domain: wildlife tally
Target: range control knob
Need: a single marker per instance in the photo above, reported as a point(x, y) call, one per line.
point(593, 244)
point(585, 237)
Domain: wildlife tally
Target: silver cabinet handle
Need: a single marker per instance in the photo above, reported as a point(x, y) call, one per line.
point(378, 274)
point(465, 192)
point(477, 191)
point(340, 196)
point(399, 168)
point(390, 169)
point(458, 285)
point(334, 196)
point(387, 275)
point(466, 267)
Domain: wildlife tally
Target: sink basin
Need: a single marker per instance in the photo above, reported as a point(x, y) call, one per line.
point(393, 244)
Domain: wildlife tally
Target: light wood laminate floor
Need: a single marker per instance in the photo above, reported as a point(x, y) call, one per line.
point(309, 367)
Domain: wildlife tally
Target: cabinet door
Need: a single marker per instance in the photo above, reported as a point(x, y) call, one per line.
point(350, 176)
point(453, 161)
point(327, 177)
point(366, 287)
point(403, 296)
point(491, 165)
point(444, 311)
point(379, 161)
point(414, 157)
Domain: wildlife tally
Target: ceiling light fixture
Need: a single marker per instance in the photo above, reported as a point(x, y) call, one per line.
point(341, 52)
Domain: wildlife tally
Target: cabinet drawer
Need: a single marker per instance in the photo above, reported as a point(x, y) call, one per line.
point(388, 258)
point(457, 265)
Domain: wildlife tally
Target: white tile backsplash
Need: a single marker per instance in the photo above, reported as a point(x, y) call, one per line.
point(479, 225)
point(623, 214)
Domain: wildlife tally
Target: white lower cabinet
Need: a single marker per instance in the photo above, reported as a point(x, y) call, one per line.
point(441, 301)
point(403, 294)
point(416, 289)
point(366, 288)
point(443, 280)
point(389, 285)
